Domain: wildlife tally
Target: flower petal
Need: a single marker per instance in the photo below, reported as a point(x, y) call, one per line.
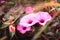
point(43, 17)
point(29, 9)
point(28, 18)
point(22, 29)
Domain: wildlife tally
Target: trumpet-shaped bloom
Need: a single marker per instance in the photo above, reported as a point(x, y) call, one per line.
point(29, 9)
point(43, 17)
point(22, 29)
point(28, 20)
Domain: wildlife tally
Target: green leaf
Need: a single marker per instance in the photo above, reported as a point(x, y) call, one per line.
point(58, 1)
point(4, 26)
point(12, 34)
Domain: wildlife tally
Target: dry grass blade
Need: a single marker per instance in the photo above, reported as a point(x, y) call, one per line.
point(45, 4)
point(15, 12)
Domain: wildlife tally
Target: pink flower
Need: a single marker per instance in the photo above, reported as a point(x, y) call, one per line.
point(43, 17)
point(29, 9)
point(22, 29)
point(2, 1)
point(28, 20)
point(11, 28)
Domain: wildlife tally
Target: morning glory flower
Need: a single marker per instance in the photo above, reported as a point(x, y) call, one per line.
point(22, 29)
point(28, 20)
point(29, 9)
point(43, 17)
